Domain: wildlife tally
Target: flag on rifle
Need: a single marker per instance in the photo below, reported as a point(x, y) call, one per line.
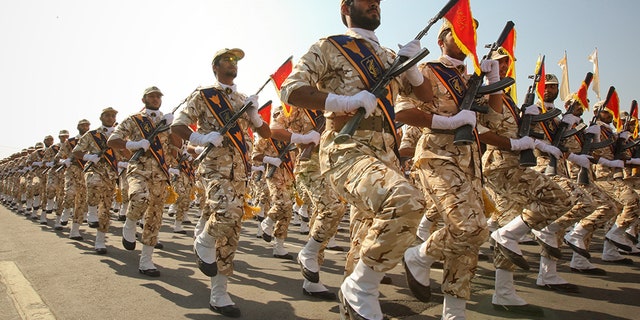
point(278, 78)
point(463, 29)
point(509, 46)
point(613, 106)
point(265, 113)
point(581, 95)
point(540, 74)
point(634, 118)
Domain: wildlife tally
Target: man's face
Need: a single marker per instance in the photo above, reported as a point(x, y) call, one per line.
point(108, 119)
point(503, 66)
point(48, 142)
point(364, 14)
point(450, 48)
point(226, 66)
point(83, 128)
point(63, 138)
point(550, 92)
point(151, 101)
point(606, 117)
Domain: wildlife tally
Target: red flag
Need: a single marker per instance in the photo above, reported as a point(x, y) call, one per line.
point(613, 106)
point(265, 113)
point(278, 78)
point(634, 117)
point(540, 73)
point(463, 30)
point(509, 45)
point(581, 95)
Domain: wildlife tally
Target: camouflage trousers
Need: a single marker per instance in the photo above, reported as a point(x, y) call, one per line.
point(223, 215)
point(75, 193)
point(146, 201)
point(55, 189)
point(457, 194)
point(624, 193)
point(100, 192)
point(385, 207)
point(39, 186)
point(124, 188)
point(281, 193)
point(606, 208)
point(182, 186)
point(327, 208)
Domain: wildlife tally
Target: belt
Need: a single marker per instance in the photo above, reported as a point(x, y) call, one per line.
point(371, 124)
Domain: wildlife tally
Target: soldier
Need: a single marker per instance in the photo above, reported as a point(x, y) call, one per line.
point(223, 170)
point(148, 176)
point(365, 171)
point(75, 187)
point(182, 181)
point(55, 179)
point(101, 173)
point(36, 183)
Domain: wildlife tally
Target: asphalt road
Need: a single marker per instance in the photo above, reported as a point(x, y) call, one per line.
point(45, 275)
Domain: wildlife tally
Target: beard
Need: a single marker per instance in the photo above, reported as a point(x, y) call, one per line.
point(550, 97)
point(360, 20)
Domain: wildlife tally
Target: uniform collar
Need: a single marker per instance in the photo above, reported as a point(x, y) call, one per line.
point(364, 34)
point(228, 89)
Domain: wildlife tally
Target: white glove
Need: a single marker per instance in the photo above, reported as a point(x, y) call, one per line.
point(37, 163)
point(409, 50)
point(634, 161)
point(491, 70)
point(136, 145)
point(168, 118)
point(464, 117)
point(200, 139)
point(547, 148)
point(595, 131)
point(582, 160)
point(66, 162)
point(49, 164)
point(189, 157)
point(257, 168)
point(198, 149)
point(310, 137)
point(532, 110)
point(570, 119)
point(91, 157)
point(340, 103)
point(174, 171)
point(611, 163)
point(272, 161)
point(623, 135)
point(252, 112)
point(123, 164)
point(523, 143)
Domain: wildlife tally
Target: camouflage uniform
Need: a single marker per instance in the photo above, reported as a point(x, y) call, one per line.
point(146, 179)
point(224, 176)
point(75, 187)
point(55, 180)
point(365, 171)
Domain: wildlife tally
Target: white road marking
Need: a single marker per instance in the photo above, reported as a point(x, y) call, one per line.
point(26, 300)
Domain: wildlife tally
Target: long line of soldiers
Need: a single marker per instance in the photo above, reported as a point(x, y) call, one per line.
point(442, 203)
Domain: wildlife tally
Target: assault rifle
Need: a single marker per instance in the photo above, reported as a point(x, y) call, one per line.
point(399, 65)
point(620, 146)
point(281, 156)
point(464, 135)
point(561, 132)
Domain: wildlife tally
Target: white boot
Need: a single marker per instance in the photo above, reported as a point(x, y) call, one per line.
point(92, 216)
point(453, 308)
point(129, 230)
point(122, 216)
point(172, 210)
point(505, 291)
point(146, 258)
point(199, 226)
point(75, 231)
point(548, 234)
point(308, 258)
point(616, 235)
point(304, 227)
point(610, 252)
point(279, 250)
point(360, 291)
point(267, 228)
point(177, 227)
point(419, 263)
point(185, 218)
point(57, 225)
point(580, 262)
point(296, 219)
point(219, 296)
point(100, 240)
point(548, 273)
point(64, 218)
point(43, 217)
point(205, 247)
point(509, 235)
point(575, 237)
point(50, 204)
point(424, 228)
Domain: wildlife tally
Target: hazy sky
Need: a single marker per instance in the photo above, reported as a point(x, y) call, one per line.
point(64, 60)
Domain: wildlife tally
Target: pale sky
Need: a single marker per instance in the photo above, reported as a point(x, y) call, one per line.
point(64, 60)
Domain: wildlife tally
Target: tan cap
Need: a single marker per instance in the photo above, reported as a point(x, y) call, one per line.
point(39, 145)
point(63, 133)
point(48, 137)
point(84, 121)
point(550, 78)
point(108, 109)
point(238, 53)
point(151, 90)
point(499, 54)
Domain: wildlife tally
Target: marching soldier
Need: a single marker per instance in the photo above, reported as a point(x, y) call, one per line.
point(148, 176)
point(365, 171)
point(55, 179)
point(100, 176)
point(224, 171)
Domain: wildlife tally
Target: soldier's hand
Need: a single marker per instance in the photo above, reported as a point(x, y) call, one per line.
point(547, 148)
point(582, 160)
point(409, 50)
point(363, 99)
point(139, 144)
point(611, 163)
point(123, 164)
point(625, 135)
point(310, 137)
point(90, 157)
point(174, 171)
point(272, 161)
point(570, 119)
point(523, 143)
point(257, 168)
point(532, 110)
point(168, 118)
point(49, 164)
point(66, 162)
point(634, 161)
point(491, 69)
point(200, 139)
point(462, 118)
